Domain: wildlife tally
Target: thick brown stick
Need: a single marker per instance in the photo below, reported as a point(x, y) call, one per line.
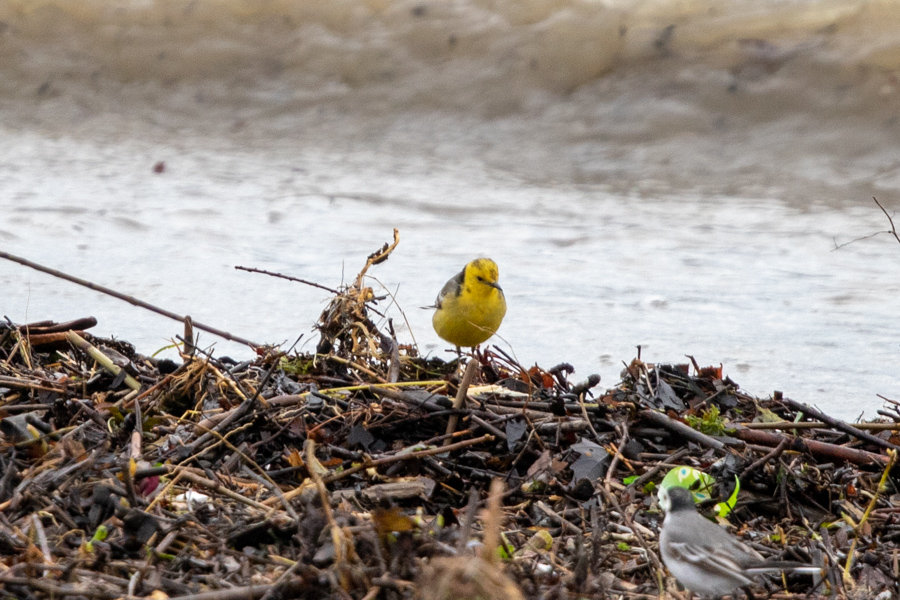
point(77, 325)
point(838, 424)
point(765, 438)
point(30, 384)
point(786, 425)
point(45, 339)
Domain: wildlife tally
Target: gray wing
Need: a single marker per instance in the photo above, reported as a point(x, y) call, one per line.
point(452, 288)
point(712, 559)
point(696, 531)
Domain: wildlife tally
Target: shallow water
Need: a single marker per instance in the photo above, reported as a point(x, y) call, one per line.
point(679, 188)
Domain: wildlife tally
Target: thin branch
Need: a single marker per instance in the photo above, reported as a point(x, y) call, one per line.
point(892, 231)
point(126, 298)
point(288, 277)
point(408, 456)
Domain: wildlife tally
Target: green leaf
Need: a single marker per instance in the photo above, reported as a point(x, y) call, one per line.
point(99, 535)
point(764, 415)
point(723, 508)
point(504, 548)
point(164, 348)
point(709, 422)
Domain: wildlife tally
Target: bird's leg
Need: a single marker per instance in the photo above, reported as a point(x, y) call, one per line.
point(459, 362)
point(458, 367)
point(478, 354)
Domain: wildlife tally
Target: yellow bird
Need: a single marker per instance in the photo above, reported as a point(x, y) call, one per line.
point(471, 305)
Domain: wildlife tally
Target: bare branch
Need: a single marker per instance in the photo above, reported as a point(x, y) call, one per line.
point(288, 277)
point(892, 231)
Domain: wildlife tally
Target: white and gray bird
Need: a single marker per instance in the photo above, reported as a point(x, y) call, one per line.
point(704, 557)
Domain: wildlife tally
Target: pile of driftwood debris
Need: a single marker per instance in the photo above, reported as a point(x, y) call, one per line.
point(364, 470)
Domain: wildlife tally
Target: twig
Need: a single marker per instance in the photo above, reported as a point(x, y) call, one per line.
point(492, 520)
point(465, 526)
point(15, 382)
point(408, 456)
point(190, 343)
point(337, 536)
point(356, 366)
point(42, 538)
point(588, 419)
point(486, 426)
point(276, 491)
point(377, 257)
point(558, 518)
point(611, 470)
point(288, 277)
point(851, 554)
point(779, 449)
point(460, 399)
point(126, 298)
point(249, 592)
point(629, 522)
point(239, 413)
point(640, 481)
point(408, 399)
point(50, 327)
point(892, 231)
point(88, 590)
point(218, 488)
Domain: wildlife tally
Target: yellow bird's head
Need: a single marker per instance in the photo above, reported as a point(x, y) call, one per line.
point(481, 277)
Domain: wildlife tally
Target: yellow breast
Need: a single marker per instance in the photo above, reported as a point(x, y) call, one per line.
point(471, 306)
